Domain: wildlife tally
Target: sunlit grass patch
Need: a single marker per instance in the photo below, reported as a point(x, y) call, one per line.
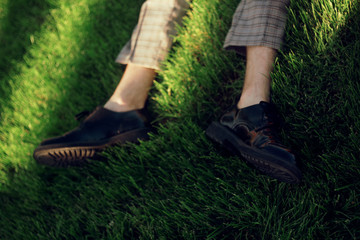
point(58, 76)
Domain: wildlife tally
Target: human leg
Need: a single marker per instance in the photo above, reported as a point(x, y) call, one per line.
point(132, 91)
point(250, 128)
point(259, 64)
point(257, 31)
point(143, 54)
point(122, 118)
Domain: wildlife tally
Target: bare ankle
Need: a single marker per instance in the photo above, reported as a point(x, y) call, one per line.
point(117, 107)
point(249, 100)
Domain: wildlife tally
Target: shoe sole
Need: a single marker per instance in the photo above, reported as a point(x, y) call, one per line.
point(266, 163)
point(66, 155)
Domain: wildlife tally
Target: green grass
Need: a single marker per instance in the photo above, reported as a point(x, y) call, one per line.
point(57, 59)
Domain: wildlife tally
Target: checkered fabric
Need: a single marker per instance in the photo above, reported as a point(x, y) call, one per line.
point(153, 35)
point(255, 23)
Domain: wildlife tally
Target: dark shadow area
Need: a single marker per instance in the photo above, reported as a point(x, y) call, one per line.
point(22, 20)
point(323, 117)
point(324, 103)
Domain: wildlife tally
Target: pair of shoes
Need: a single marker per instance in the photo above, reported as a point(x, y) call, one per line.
point(102, 128)
point(251, 133)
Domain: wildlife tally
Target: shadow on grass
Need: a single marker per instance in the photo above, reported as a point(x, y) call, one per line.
point(23, 19)
point(321, 92)
point(319, 98)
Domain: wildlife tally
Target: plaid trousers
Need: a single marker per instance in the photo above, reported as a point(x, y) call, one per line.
point(255, 23)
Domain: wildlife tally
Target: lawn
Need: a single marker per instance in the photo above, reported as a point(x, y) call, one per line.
point(57, 59)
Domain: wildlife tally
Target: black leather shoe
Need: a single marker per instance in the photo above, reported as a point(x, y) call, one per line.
point(100, 129)
point(249, 132)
